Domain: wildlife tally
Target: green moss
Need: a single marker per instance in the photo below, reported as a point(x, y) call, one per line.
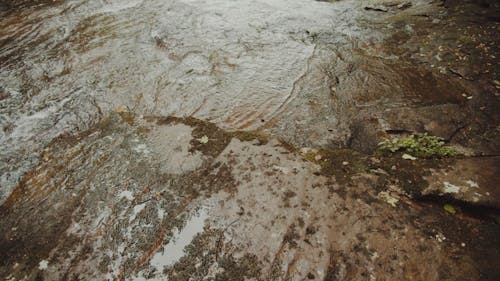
point(450, 209)
point(418, 145)
point(249, 136)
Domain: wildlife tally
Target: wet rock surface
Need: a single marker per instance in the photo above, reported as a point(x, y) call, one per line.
point(109, 169)
point(470, 180)
point(108, 204)
point(313, 73)
point(65, 65)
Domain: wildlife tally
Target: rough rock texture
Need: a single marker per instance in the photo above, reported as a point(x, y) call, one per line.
point(473, 180)
point(410, 79)
point(107, 174)
point(109, 204)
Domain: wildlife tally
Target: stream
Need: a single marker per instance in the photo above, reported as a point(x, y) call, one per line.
point(66, 64)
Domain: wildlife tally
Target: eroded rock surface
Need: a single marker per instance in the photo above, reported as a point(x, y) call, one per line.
point(108, 204)
point(107, 171)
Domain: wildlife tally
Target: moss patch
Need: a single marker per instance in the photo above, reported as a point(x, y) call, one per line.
point(216, 139)
point(407, 175)
point(418, 145)
point(249, 136)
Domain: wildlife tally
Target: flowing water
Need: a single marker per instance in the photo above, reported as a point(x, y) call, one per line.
point(65, 64)
point(312, 72)
point(87, 94)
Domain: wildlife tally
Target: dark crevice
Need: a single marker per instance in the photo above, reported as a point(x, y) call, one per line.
point(484, 213)
point(398, 132)
point(484, 156)
point(456, 132)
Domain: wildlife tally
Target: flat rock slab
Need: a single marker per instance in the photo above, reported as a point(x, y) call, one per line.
point(472, 180)
point(149, 198)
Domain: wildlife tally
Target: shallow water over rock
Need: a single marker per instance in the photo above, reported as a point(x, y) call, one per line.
point(237, 63)
point(312, 72)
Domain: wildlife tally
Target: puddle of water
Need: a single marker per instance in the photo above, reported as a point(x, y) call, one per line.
point(175, 248)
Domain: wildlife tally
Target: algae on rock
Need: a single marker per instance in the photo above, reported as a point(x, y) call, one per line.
point(418, 145)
